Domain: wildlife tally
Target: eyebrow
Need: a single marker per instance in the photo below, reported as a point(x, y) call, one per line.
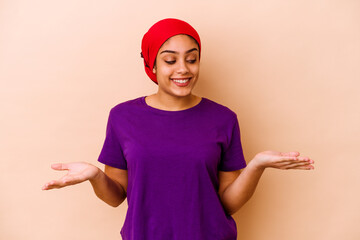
point(188, 51)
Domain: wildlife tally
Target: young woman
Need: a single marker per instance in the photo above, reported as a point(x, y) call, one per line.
point(175, 156)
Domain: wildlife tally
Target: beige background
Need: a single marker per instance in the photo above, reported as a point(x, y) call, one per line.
point(289, 69)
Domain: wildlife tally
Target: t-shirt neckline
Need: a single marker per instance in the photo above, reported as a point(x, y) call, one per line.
point(171, 112)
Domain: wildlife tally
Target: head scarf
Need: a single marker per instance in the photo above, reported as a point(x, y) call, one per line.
point(155, 37)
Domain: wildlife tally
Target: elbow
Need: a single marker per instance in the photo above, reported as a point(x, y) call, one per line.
point(230, 211)
point(229, 206)
point(232, 207)
point(116, 203)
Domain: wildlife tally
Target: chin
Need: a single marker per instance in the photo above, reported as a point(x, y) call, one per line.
point(181, 91)
point(181, 94)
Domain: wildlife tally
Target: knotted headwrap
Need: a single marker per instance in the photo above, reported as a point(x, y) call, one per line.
point(157, 35)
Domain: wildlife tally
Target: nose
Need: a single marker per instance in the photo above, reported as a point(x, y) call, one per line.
point(182, 67)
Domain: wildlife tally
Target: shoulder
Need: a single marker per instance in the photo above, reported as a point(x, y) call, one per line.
point(220, 110)
point(125, 107)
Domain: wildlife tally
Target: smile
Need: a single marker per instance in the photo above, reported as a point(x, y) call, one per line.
point(181, 82)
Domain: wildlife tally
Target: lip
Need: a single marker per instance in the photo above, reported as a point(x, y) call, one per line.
point(181, 84)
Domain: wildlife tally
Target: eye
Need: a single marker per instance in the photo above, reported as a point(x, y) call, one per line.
point(170, 62)
point(191, 61)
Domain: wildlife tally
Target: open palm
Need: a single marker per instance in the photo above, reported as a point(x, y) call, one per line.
point(283, 160)
point(77, 172)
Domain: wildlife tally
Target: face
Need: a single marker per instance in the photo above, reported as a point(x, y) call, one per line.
point(177, 66)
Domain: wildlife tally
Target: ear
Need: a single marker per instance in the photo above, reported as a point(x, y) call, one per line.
point(154, 70)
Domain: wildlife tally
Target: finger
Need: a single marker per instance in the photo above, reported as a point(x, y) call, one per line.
point(290, 159)
point(306, 167)
point(289, 165)
point(295, 165)
point(58, 184)
point(306, 159)
point(67, 180)
point(293, 154)
point(59, 166)
point(73, 179)
point(295, 159)
point(53, 184)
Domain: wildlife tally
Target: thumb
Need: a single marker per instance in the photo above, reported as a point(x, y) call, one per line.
point(59, 166)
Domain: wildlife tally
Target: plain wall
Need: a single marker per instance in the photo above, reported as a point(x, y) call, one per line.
point(289, 69)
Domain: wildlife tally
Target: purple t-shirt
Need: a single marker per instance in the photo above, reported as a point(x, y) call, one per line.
point(173, 159)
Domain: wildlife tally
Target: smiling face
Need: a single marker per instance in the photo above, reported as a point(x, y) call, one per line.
point(177, 66)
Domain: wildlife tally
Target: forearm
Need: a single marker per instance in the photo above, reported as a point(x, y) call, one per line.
point(107, 189)
point(241, 190)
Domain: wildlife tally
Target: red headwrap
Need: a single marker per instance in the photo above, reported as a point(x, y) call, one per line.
point(157, 35)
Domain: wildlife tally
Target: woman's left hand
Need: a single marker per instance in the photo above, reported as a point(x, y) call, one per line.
point(282, 160)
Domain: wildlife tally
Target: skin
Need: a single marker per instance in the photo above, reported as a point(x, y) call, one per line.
point(179, 58)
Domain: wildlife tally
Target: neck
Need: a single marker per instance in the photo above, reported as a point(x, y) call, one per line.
point(174, 103)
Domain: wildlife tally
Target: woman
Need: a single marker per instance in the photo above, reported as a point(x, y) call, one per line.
point(175, 156)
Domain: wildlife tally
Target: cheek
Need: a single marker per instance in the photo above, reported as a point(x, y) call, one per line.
point(195, 69)
point(163, 72)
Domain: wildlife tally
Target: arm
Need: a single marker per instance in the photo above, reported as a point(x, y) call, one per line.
point(110, 186)
point(236, 189)
point(240, 187)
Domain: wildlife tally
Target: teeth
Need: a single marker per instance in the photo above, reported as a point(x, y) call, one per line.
point(181, 81)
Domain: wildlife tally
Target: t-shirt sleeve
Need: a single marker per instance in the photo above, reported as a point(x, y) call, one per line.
point(232, 156)
point(112, 153)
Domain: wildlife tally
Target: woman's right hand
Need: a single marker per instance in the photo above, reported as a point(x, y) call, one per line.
point(77, 172)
